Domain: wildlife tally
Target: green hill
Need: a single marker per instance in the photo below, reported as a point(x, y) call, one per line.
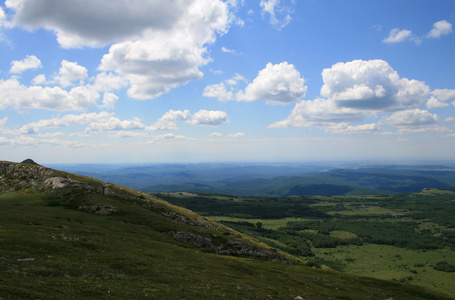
point(65, 236)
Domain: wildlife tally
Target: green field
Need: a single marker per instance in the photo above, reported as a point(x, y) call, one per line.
point(407, 238)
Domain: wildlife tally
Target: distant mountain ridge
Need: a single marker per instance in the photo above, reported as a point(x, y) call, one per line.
point(275, 180)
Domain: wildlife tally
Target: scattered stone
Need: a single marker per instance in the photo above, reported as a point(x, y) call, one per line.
point(99, 209)
point(26, 259)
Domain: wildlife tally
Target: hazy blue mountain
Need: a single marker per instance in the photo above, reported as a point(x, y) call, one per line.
point(272, 179)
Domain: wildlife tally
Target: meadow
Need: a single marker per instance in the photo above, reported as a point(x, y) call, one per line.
point(408, 238)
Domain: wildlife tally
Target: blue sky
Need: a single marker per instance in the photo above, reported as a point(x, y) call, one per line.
point(204, 80)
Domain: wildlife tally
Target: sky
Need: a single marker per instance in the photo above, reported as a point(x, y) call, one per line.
point(226, 81)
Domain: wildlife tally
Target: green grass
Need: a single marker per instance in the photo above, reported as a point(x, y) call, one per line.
point(393, 263)
point(48, 251)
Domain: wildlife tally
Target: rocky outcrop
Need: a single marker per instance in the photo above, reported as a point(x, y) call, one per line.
point(15, 176)
point(229, 246)
point(99, 209)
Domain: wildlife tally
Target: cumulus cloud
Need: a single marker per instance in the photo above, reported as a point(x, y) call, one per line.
point(29, 62)
point(164, 59)
point(85, 23)
point(280, 14)
point(115, 124)
point(439, 29)
point(279, 84)
point(155, 45)
point(18, 96)
point(209, 118)
point(371, 85)
point(433, 102)
point(106, 82)
point(438, 96)
point(39, 79)
point(169, 119)
point(396, 36)
point(109, 100)
point(320, 113)
point(70, 72)
point(413, 117)
point(357, 90)
point(443, 94)
point(218, 91)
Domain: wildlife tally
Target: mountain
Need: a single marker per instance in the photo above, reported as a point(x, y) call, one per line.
point(361, 181)
point(64, 235)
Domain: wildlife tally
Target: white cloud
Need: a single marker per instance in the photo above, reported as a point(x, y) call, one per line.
point(396, 36)
point(439, 29)
point(21, 97)
point(443, 94)
point(440, 95)
point(371, 85)
point(344, 128)
point(156, 45)
point(234, 80)
point(412, 118)
point(320, 113)
point(433, 102)
point(59, 122)
point(280, 15)
point(115, 124)
point(28, 141)
point(87, 23)
point(28, 63)
point(209, 118)
point(449, 119)
point(236, 135)
point(279, 83)
point(230, 51)
point(168, 136)
point(109, 100)
point(169, 119)
point(2, 17)
point(164, 59)
point(39, 79)
point(70, 72)
point(108, 81)
point(357, 90)
point(216, 134)
point(218, 91)
point(154, 66)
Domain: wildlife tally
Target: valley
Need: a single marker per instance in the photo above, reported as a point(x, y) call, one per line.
point(408, 238)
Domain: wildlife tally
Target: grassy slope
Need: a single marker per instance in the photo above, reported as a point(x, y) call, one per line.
point(48, 251)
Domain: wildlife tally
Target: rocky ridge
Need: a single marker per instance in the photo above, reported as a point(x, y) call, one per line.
point(15, 176)
point(215, 238)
